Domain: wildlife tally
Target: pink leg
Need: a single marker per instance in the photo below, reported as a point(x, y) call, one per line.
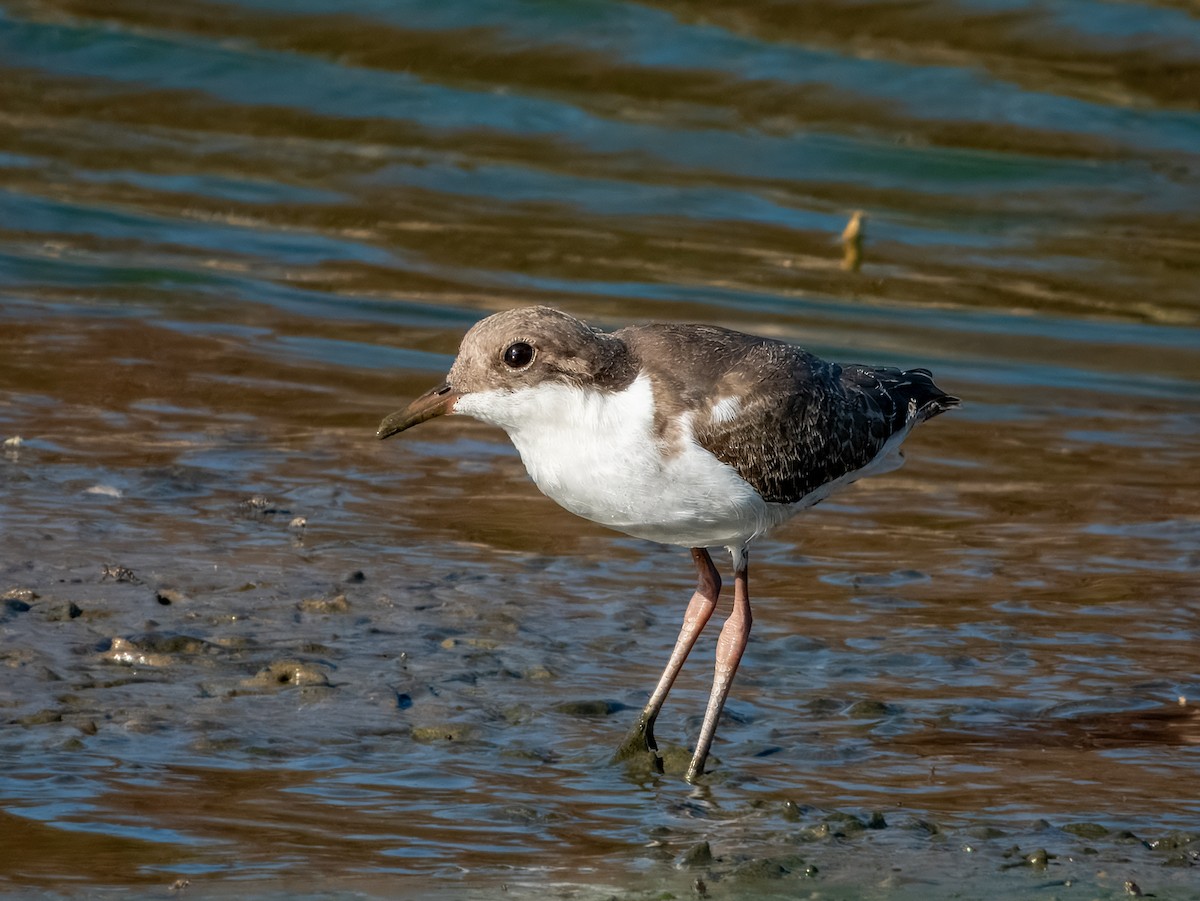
point(699, 611)
point(732, 642)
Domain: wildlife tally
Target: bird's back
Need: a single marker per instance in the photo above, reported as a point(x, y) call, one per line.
point(787, 421)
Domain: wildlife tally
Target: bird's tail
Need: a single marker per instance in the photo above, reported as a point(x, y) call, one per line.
point(906, 397)
point(930, 400)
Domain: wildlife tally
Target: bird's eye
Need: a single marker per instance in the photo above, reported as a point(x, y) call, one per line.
point(518, 355)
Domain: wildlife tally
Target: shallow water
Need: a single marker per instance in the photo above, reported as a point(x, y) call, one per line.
point(234, 236)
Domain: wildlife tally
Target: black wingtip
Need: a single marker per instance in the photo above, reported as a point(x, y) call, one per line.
point(945, 402)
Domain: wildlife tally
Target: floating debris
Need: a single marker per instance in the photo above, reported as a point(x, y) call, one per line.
point(852, 240)
point(103, 490)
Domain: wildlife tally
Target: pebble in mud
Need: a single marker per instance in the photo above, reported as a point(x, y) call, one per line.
point(126, 653)
point(698, 855)
point(169, 596)
point(289, 674)
point(676, 759)
point(1086, 830)
point(1039, 859)
point(671, 760)
point(590, 708)
point(1177, 841)
point(64, 612)
point(744, 871)
point(842, 825)
point(10, 607)
point(1183, 848)
point(40, 718)
point(444, 732)
point(871, 709)
point(768, 868)
point(336, 604)
point(154, 649)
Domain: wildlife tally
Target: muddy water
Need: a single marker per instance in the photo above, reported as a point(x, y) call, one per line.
point(246, 646)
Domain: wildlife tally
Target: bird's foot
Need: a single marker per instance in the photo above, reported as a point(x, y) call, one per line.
point(638, 742)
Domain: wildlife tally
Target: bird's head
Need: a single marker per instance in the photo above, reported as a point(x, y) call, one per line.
point(514, 352)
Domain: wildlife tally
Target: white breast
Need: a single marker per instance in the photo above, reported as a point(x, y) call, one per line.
point(596, 454)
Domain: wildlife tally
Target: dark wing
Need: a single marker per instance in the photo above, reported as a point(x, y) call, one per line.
point(800, 425)
point(786, 420)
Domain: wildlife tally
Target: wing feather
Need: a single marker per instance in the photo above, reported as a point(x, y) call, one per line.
point(787, 421)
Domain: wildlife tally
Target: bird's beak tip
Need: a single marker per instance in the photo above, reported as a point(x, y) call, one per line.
point(385, 430)
point(439, 401)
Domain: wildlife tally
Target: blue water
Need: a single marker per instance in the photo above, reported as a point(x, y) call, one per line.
point(234, 236)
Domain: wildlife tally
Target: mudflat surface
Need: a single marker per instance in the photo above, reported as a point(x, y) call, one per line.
point(247, 650)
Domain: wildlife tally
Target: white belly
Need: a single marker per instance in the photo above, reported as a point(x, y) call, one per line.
point(595, 453)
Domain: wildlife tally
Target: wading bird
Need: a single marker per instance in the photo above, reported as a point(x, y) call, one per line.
point(682, 434)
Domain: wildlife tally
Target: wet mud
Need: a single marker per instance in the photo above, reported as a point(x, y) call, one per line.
point(248, 650)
